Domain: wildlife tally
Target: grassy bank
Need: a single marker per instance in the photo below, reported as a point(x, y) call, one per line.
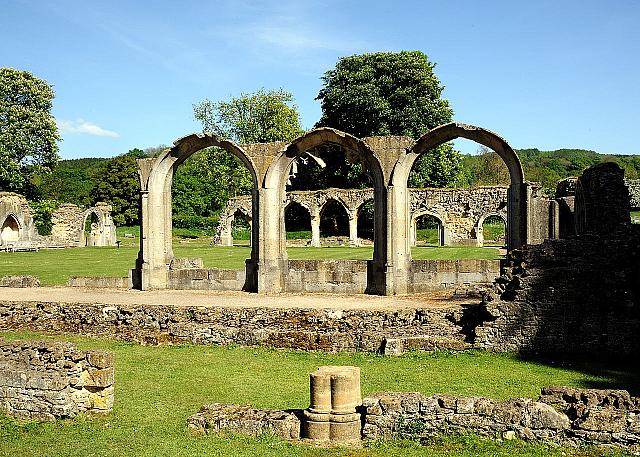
point(157, 388)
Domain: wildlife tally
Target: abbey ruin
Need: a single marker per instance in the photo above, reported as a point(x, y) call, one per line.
point(72, 226)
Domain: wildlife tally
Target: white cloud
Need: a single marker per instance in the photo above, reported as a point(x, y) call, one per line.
point(82, 127)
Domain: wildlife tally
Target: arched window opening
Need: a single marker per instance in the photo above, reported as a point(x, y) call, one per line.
point(366, 222)
point(429, 231)
point(494, 231)
point(10, 230)
point(334, 223)
point(241, 229)
point(91, 228)
point(297, 221)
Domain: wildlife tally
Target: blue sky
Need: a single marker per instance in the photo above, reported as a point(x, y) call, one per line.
point(545, 74)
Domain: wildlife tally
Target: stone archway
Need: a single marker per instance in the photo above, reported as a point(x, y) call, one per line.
point(10, 230)
point(156, 177)
point(273, 250)
point(517, 195)
point(442, 236)
point(480, 226)
point(92, 229)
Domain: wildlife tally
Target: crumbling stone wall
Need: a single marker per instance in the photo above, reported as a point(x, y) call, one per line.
point(441, 327)
point(48, 380)
point(69, 225)
point(566, 416)
point(460, 211)
point(634, 192)
point(16, 219)
point(576, 295)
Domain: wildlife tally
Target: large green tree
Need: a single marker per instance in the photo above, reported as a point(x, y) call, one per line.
point(119, 185)
point(28, 132)
point(391, 93)
point(260, 117)
point(203, 184)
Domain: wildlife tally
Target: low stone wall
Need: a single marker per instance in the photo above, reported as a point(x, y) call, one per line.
point(295, 328)
point(245, 419)
point(340, 276)
point(562, 415)
point(48, 380)
point(206, 279)
point(19, 281)
point(428, 275)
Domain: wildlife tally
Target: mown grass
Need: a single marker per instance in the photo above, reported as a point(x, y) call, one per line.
point(55, 266)
point(157, 388)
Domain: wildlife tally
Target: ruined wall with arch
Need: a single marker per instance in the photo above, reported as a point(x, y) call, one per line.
point(16, 219)
point(461, 211)
point(69, 222)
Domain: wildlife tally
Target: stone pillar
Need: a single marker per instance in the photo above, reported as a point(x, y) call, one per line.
point(226, 236)
point(272, 263)
point(353, 228)
point(315, 230)
point(335, 395)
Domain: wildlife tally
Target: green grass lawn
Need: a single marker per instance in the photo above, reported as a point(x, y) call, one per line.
point(55, 266)
point(157, 388)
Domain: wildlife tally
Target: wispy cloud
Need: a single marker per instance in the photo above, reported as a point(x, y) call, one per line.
point(82, 127)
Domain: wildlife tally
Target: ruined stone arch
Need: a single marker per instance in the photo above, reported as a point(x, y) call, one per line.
point(11, 229)
point(156, 178)
point(517, 193)
point(442, 227)
point(480, 231)
point(92, 238)
point(278, 173)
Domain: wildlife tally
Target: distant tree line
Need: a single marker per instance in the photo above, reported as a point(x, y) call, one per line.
point(364, 95)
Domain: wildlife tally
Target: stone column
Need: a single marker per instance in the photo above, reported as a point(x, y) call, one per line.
point(226, 236)
point(353, 228)
point(315, 229)
point(335, 395)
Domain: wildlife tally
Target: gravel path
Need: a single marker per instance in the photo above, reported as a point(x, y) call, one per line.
point(440, 299)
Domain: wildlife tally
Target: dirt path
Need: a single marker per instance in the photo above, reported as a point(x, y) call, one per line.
point(441, 299)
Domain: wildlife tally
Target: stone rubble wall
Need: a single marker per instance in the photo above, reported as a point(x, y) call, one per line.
point(245, 419)
point(634, 192)
point(566, 416)
point(461, 211)
point(47, 380)
point(292, 328)
point(19, 281)
point(69, 223)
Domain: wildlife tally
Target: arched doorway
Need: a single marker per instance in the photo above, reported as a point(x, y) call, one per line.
point(297, 221)
point(366, 222)
point(241, 227)
point(92, 229)
point(334, 222)
point(492, 230)
point(427, 230)
point(276, 178)
point(10, 230)
point(156, 178)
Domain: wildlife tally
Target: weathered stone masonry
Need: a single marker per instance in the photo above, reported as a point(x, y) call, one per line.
point(48, 380)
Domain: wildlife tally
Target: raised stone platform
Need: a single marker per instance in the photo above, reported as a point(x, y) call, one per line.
point(308, 322)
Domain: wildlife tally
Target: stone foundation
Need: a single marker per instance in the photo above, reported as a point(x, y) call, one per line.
point(338, 276)
point(565, 416)
point(19, 281)
point(245, 419)
point(292, 328)
point(47, 380)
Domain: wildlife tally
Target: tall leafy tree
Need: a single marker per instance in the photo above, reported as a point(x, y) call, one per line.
point(391, 93)
point(260, 117)
point(206, 180)
point(120, 186)
point(28, 132)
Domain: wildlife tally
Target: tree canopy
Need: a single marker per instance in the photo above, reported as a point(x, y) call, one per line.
point(260, 117)
point(28, 132)
point(385, 93)
point(391, 93)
